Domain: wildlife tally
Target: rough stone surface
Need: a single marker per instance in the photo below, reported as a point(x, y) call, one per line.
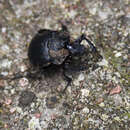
point(98, 98)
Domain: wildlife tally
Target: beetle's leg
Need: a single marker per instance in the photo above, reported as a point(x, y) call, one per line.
point(64, 28)
point(68, 79)
point(21, 75)
point(83, 37)
point(13, 77)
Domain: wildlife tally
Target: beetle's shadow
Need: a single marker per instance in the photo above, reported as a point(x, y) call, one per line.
point(73, 65)
point(54, 75)
point(51, 70)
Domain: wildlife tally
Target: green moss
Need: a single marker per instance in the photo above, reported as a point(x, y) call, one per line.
point(126, 114)
point(115, 62)
point(1, 123)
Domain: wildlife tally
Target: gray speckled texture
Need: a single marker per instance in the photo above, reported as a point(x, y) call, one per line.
point(97, 98)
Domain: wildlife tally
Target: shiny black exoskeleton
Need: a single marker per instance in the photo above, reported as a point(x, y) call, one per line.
point(53, 47)
point(49, 47)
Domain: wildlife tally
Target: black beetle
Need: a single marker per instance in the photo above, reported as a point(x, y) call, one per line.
point(53, 48)
point(49, 47)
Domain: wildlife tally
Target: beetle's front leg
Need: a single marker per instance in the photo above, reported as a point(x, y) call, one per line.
point(83, 37)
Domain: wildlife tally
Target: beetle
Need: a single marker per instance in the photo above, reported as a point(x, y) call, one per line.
point(52, 47)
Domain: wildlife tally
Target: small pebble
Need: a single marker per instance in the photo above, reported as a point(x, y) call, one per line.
point(12, 110)
point(101, 104)
point(4, 73)
point(117, 74)
point(19, 109)
point(2, 83)
point(34, 124)
point(3, 29)
point(93, 11)
point(99, 100)
point(23, 67)
point(37, 115)
point(72, 14)
point(85, 110)
point(8, 101)
point(118, 54)
point(26, 98)
point(81, 77)
point(117, 99)
point(12, 91)
point(5, 48)
point(5, 63)
point(85, 92)
point(103, 15)
point(6, 126)
point(117, 118)
point(104, 117)
point(76, 82)
point(116, 90)
point(103, 63)
point(23, 82)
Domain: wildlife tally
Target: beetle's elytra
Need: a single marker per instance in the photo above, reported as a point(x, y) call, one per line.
point(53, 47)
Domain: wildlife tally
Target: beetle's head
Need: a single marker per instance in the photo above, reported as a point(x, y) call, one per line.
point(76, 49)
